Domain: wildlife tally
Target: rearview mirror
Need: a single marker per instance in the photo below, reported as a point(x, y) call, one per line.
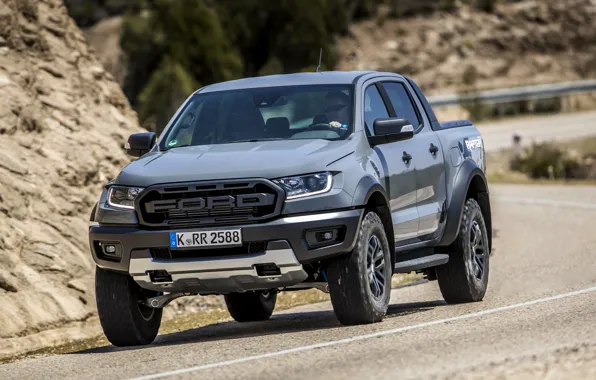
point(140, 143)
point(391, 130)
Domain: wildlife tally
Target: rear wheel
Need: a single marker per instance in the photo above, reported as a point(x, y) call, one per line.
point(251, 306)
point(125, 321)
point(360, 283)
point(465, 277)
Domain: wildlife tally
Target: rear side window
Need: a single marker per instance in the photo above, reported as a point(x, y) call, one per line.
point(402, 103)
point(374, 107)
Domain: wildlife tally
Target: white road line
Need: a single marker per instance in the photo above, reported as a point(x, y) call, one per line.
point(366, 336)
point(547, 202)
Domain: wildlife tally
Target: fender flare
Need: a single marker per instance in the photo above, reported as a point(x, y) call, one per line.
point(467, 172)
point(93, 212)
point(365, 188)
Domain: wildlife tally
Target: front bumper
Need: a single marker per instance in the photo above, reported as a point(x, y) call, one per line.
point(232, 274)
point(286, 247)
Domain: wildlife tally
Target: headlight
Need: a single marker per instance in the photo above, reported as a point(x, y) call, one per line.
point(123, 197)
point(306, 185)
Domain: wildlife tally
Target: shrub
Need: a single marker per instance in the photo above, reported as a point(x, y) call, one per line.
point(547, 160)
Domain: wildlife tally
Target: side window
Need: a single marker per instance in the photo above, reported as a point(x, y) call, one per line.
point(374, 107)
point(402, 103)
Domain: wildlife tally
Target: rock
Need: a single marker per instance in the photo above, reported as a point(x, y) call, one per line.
point(4, 81)
point(7, 281)
point(77, 285)
point(53, 70)
point(56, 30)
point(391, 45)
point(97, 72)
point(11, 164)
point(57, 102)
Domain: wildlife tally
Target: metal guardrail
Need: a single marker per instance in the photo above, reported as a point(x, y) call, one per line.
point(515, 94)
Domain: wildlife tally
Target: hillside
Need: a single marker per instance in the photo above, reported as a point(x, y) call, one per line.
point(525, 42)
point(520, 42)
point(63, 123)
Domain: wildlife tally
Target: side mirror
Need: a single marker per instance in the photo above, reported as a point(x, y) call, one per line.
point(391, 130)
point(140, 143)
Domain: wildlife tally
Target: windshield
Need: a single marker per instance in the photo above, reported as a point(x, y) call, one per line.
point(274, 113)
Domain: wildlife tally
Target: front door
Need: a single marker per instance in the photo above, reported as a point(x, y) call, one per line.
point(396, 170)
point(427, 159)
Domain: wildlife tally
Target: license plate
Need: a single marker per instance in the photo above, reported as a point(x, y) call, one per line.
point(210, 238)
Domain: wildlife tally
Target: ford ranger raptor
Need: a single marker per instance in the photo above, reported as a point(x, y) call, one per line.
point(327, 180)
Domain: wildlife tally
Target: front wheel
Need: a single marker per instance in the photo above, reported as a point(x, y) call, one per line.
point(251, 306)
point(360, 283)
point(465, 277)
point(125, 321)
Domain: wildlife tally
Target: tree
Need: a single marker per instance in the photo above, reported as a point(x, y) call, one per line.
point(209, 41)
point(183, 33)
point(167, 88)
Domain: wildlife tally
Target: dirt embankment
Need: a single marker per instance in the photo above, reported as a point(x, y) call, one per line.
point(526, 42)
point(63, 123)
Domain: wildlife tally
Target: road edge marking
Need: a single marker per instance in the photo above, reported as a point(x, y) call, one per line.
point(546, 202)
point(365, 336)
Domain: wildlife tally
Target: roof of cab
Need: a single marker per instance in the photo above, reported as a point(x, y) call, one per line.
point(326, 77)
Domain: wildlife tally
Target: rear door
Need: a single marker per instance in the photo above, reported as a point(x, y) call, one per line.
point(427, 158)
point(398, 174)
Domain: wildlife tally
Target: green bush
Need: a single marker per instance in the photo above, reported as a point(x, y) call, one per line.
point(540, 160)
point(185, 34)
point(547, 160)
point(167, 88)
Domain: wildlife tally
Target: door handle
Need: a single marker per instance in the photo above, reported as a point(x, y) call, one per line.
point(406, 157)
point(433, 149)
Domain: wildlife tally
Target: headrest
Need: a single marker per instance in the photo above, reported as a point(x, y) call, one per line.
point(320, 119)
point(278, 126)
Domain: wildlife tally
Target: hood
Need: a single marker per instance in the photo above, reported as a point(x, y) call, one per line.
point(263, 159)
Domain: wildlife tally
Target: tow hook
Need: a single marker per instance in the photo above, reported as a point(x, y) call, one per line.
point(160, 302)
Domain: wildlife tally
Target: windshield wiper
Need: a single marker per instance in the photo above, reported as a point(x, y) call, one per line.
point(256, 140)
point(177, 146)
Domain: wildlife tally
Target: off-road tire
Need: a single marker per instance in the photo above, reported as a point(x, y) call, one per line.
point(458, 278)
point(124, 320)
point(349, 284)
point(251, 306)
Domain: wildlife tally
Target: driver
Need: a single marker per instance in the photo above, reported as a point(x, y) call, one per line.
point(337, 109)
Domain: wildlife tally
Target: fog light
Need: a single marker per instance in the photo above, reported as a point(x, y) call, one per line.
point(109, 249)
point(326, 237)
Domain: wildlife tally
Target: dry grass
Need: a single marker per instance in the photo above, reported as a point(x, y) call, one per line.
point(285, 300)
point(498, 165)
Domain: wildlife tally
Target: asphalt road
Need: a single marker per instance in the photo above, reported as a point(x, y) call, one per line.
point(537, 320)
point(499, 134)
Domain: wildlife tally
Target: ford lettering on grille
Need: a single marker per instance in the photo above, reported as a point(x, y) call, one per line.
point(209, 203)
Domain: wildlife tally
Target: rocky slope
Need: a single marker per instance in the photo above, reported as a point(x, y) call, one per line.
point(526, 42)
point(63, 122)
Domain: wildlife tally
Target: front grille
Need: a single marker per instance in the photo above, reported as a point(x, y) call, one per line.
point(209, 203)
point(165, 253)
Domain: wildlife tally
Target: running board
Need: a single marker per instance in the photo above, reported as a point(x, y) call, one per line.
point(421, 263)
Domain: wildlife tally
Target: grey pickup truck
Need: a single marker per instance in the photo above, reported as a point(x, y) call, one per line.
point(327, 180)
